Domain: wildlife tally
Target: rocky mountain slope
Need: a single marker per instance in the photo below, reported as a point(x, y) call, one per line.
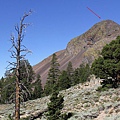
point(82, 49)
point(82, 100)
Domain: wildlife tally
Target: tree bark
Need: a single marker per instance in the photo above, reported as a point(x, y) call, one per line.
point(17, 101)
point(17, 97)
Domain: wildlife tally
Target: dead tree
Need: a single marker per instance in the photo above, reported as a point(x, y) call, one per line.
point(18, 52)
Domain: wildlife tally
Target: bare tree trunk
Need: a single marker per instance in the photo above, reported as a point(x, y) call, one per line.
point(17, 101)
point(17, 94)
point(16, 53)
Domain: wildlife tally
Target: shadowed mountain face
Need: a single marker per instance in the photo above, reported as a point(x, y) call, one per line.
point(82, 49)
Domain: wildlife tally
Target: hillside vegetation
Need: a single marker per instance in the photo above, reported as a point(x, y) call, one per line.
point(82, 100)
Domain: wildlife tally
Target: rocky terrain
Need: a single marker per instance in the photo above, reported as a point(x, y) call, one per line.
point(82, 100)
point(82, 49)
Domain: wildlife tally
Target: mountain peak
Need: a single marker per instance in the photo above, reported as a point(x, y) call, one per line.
point(105, 28)
point(101, 30)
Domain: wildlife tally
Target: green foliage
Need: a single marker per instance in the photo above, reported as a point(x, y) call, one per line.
point(107, 66)
point(76, 77)
point(7, 84)
point(10, 117)
point(101, 89)
point(1, 86)
point(53, 75)
point(66, 78)
point(70, 71)
point(7, 90)
point(81, 74)
point(27, 75)
point(55, 106)
point(72, 77)
point(54, 70)
point(84, 73)
point(64, 81)
point(38, 90)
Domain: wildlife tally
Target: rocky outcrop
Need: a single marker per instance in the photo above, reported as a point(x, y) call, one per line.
point(102, 31)
point(82, 49)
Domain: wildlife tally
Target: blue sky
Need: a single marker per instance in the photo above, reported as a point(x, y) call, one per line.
point(53, 24)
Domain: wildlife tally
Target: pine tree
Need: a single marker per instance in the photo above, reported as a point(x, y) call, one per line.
point(107, 66)
point(81, 74)
point(1, 87)
point(38, 90)
point(53, 75)
point(55, 106)
point(64, 81)
point(76, 76)
point(84, 71)
point(7, 90)
point(70, 72)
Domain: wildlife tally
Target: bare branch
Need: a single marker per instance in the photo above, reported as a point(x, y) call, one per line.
point(12, 98)
point(23, 86)
point(13, 42)
point(17, 28)
point(22, 37)
point(13, 54)
point(12, 64)
point(18, 48)
point(27, 70)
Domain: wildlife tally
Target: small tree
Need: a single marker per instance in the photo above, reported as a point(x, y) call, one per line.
point(76, 76)
point(55, 106)
point(8, 90)
point(1, 89)
point(107, 66)
point(64, 81)
point(53, 75)
point(16, 50)
point(70, 72)
point(84, 71)
point(38, 90)
point(81, 74)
